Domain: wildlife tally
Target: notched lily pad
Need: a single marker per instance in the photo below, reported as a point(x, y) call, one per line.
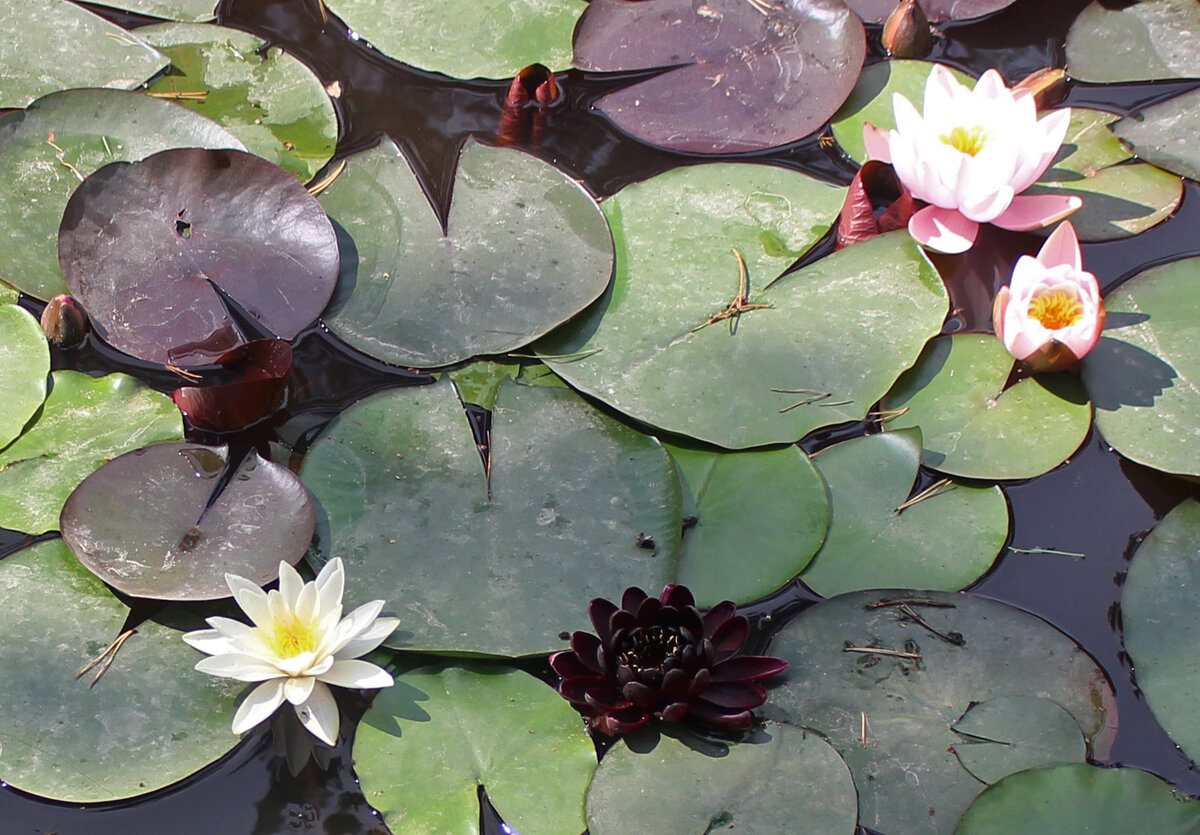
point(754, 74)
point(24, 364)
point(168, 521)
point(158, 250)
point(265, 97)
point(525, 248)
point(1007, 734)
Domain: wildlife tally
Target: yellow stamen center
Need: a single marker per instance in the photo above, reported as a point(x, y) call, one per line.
point(968, 140)
point(1056, 309)
point(292, 637)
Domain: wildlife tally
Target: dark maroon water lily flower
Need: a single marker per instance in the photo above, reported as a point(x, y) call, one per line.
point(660, 658)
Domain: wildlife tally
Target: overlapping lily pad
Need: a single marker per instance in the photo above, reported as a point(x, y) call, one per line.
point(525, 249)
point(1153, 39)
point(84, 422)
point(428, 743)
point(974, 427)
point(1080, 798)
point(887, 675)
point(24, 364)
point(49, 45)
point(1165, 133)
point(759, 518)
point(1007, 734)
point(1144, 372)
point(265, 97)
point(754, 75)
point(47, 150)
point(150, 721)
point(876, 11)
point(168, 521)
point(770, 782)
point(945, 541)
point(833, 339)
point(155, 249)
point(466, 38)
point(1161, 615)
point(497, 565)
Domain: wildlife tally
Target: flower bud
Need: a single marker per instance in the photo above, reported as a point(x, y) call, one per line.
point(1048, 86)
point(906, 32)
point(64, 322)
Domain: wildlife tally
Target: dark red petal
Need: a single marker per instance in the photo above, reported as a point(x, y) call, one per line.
point(709, 714)
point(674, 711)
point(626, 721)
point(568, 665)
point(730, 637)
point(620, 621)
point(748, 668)
point(632, 599)
point(700, 682)
point(600, 611)
point(605, 697)
point(675, 684)
point(590, 651)
point(735, 695)
point(678, 596)
point(717, 615)
point(641, 695)
point(647, 611)
point(574, 690)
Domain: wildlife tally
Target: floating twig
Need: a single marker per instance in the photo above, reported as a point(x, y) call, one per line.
point(954, 638)
point(105, 659)
point(182, 95)
point(881, 651)
point(910, 601)
point(1077, 555)
point(318, 184)
point(741, 302)
point(937, 488)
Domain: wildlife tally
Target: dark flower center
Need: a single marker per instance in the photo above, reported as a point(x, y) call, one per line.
point(654, 648)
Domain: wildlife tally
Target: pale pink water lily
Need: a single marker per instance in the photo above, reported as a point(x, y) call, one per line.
point(1051, 314)
point(299, 644)
point(970, 156)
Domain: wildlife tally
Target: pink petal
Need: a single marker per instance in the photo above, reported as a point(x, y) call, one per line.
point(878, 142)
point(943, 230)
point(1034, 211)
point(1062, 247)
point(999, 308)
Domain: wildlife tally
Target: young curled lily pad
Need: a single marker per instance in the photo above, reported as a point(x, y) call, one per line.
point(261, 371)
point(524, 249)
point(47, 149)
point(158, 250)
point(169, 522)
point(24, 364)
point(749, 75)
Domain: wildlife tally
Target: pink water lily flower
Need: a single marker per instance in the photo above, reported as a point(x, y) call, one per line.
point(1051, 313)
point(970, 156)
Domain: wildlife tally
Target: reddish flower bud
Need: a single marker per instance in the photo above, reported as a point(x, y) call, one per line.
point(64, 321)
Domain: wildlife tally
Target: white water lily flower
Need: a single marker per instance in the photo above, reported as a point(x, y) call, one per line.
point(969, 156)
point(299, 644)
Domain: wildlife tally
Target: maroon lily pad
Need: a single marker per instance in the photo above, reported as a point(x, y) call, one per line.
point(750, 74)
point(876, 11)
point(259, 370)
point(876, 202)
point(149, 248)
point(168, 521)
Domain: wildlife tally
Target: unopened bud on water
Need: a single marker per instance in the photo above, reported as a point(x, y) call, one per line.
point(906, 32)
point(64, 321)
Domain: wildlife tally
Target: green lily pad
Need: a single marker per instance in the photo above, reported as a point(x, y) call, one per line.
point(150, 721)
point(147, 523)
point(892, 716)
point(499, 567)
point(1162, 620)
point(1143, 373)
point(478, 382)
point(50, 45)
point(525, 249)
point(429, 742)
point(466, 38)
point(8, 293)
point(84, 422)
point(973, 427)
point(1120, 197)
point(1153, 38)
point(24, 364)
point(945, 541)
point(760, 517)
point(765, 783)
point(189, 11)
point(836, 336)
point(266, 98)
point(871, 100)
point(1164, 134)
point(46, 151)
point(1080, 798)
point(1007, 734)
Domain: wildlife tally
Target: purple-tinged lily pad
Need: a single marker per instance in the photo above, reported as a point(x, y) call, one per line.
point(155, 250)
point(751, 74)
point(148, 524)
point(260, 369)
point(876, 11)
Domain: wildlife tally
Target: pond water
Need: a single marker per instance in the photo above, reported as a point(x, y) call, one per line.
point(1097, 504)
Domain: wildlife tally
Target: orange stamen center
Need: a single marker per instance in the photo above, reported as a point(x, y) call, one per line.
point(291, 637)
point(968, 140)
point(1056, 309)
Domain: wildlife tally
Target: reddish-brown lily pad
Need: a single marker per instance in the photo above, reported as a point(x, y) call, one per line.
point(148, 523)
point(751, 74)
point(876, 11)
point(155, 250)
point(259, 372)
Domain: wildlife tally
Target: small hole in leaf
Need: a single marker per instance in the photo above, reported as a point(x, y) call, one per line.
point(183, 229)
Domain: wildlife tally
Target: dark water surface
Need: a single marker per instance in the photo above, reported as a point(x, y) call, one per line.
point(1097, 504)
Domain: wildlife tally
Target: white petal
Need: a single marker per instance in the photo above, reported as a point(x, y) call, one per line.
point(358, 675)
point(370, 638)
point(320, 714)
point(290, 584)
point(208, 641)
point(229, 627)
point(297, 690)
point(331, 583)
point(259, 704)
point(297, 665)
point(237, 666)
point(249, 597)
point(354, 624)
point(305, 605)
